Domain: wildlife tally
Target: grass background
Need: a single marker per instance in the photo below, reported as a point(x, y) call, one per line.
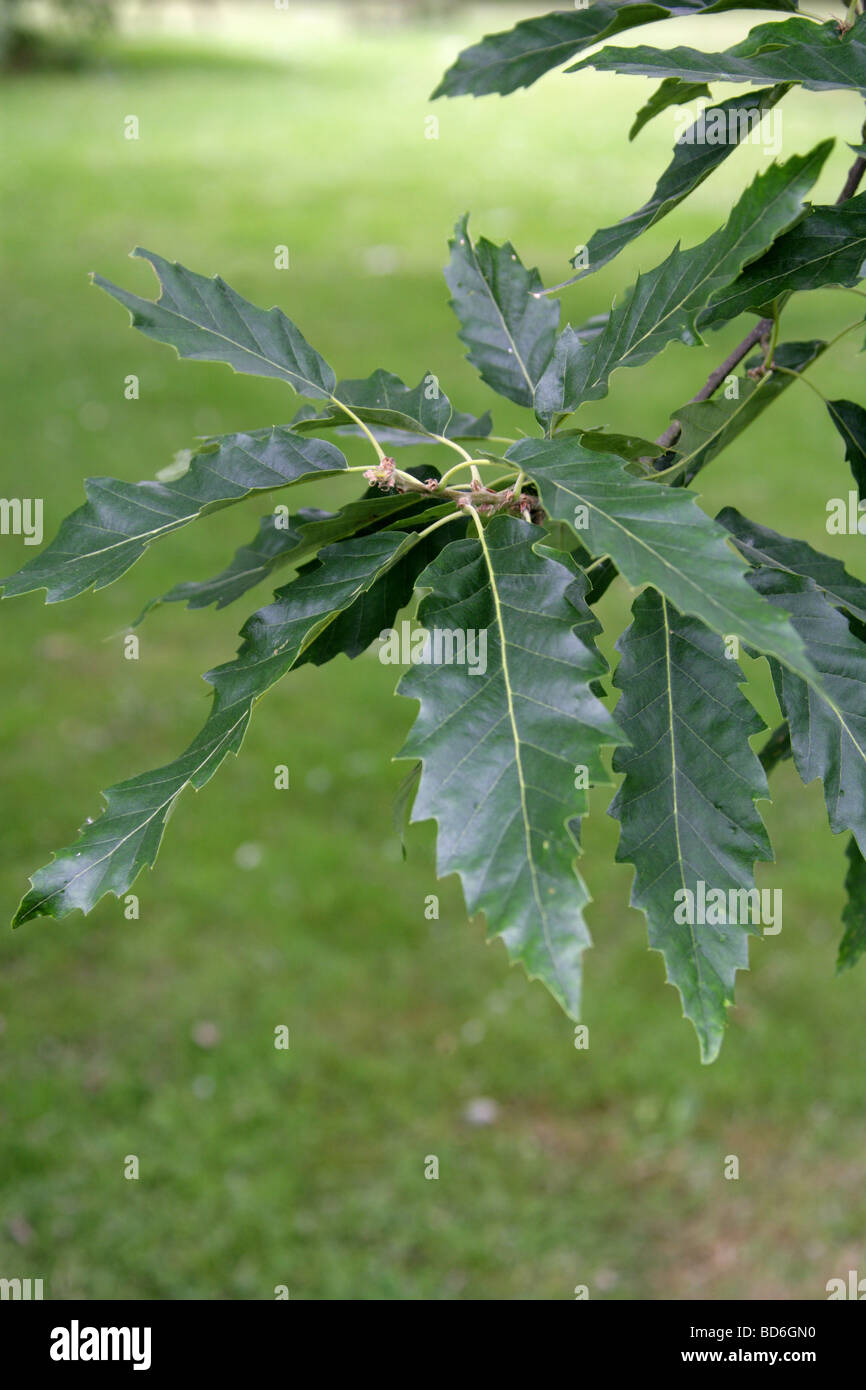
point(261, 1167)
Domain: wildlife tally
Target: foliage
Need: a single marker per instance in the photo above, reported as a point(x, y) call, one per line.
point(511, 545)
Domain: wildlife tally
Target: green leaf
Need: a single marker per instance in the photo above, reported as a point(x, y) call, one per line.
point(695, 158)
point(112, 850)
point(777, 749)
point(828, 727)
point(509, 331)
point(207, 320)
point(672, 92)
point(664, 304)
point(280, 541)
point(687, 801)
point(763, 547)
point(275, 541)
point(367, 513)
point(519, 56)
point(499, 749)
point(587, 627)
point(402, 808)
point(817, 55)
point(657, 535)
point(827, 248)
point(628, 446)
point(375, 609)
point(404, 415)
point(710, 426)
point(853, 942)
point(101, 540)
point(850, 420)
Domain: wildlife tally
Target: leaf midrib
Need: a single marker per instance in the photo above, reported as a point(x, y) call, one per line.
point(521, 781)
point(506, 330)
point(675, 808)
point(287, 372)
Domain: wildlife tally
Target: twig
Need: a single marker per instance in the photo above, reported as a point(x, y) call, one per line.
point(670, 436)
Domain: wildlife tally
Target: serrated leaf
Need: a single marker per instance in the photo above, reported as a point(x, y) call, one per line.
point(853, 942)
point(356, 627)
point(628, 446)
point(101, 540)
point(519, 56)
point(819, 56)
point(763, 547)
point(827, 248)
point(828, 726)
point(657, 535)
point(499, 749)
point(587, 626)
point(687, 801)
point(112, 850)
point(281, 541)
point(271, 547)
point(671, 92)
point(710, 426)
point(402, 414)
point(664, 304)
point(850, 420)
point(776, 749)
point(207, 320)
point(695, 158)
point(508, 330)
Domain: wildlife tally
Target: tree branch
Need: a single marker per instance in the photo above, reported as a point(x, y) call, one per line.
point(670, 436)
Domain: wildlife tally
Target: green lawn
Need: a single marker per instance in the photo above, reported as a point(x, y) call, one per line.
point(306, 1168)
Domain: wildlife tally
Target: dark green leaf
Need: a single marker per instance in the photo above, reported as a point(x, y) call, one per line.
point(499, 749)
point(111, 850)
point(657, 535)
point(819, 56)
point(850, 420)
point(375, 609)
point(687, 802)
point(664, 304)
point(509, 331)
point(828, 727)
point(777, 749)
point(207, 320)
point(519, 56)
point(102, 539)
point(827, 248)
point(672, 92)
point(282, 541)
point(404, 415)
point(402, 808)
point(763, 547)
point(270, 548)
point(853, 942)
point(628, 446)
point(695, 158)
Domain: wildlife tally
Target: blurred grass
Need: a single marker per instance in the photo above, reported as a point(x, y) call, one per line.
point(261, 1167)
